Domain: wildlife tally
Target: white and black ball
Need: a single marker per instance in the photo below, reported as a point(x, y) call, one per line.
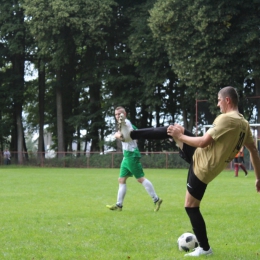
point(187, 241)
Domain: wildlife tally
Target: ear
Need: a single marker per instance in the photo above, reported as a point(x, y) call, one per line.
point(228, 100)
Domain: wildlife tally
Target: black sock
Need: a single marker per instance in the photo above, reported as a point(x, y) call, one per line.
point(157, 133)
point(199, 227)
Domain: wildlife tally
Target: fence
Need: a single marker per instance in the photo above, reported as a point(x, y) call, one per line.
point(166, 160)
point(95, 160)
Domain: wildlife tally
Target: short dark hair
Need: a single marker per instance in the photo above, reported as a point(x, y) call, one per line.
point(120, 107)
point(231, 93)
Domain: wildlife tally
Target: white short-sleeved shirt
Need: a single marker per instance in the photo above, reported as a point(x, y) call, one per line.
point(130, 149)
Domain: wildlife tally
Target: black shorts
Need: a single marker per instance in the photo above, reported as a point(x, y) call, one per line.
point(195, 186)
point(239, 160)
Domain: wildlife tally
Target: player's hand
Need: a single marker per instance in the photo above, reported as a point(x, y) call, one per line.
point(117, 135)
point(257, 185)
point(174, 130)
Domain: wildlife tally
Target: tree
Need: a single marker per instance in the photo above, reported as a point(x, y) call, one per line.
point(62, 28)
point(207, 42)
point(13, 40)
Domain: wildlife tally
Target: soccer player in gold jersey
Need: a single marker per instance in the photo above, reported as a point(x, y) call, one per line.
point(207, 155)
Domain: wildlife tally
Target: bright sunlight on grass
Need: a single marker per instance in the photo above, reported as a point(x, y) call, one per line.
point(60, 213)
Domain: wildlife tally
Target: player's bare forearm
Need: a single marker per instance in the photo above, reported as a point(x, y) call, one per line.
point(192, 141)
point(256, 164)
point(254, 157)
point(177, 132)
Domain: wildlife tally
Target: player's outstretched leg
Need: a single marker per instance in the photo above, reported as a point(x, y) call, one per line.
point(128, 134)
point(157, 133)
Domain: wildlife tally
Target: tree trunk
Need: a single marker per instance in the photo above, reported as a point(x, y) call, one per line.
point(18, 85)
point(60, 130)
point(18, 113)
point(78, 142)
point(25, 149)
point(94, 93)
point(13, 144)
point(41, 82)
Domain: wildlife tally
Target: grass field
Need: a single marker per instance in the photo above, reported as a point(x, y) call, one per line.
point(60, 213)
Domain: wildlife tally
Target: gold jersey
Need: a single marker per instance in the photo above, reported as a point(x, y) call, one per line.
point(229, 131)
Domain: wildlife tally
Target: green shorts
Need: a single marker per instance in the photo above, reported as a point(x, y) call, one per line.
point(131, 166)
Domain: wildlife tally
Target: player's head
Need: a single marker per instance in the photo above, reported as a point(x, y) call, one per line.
point(118, 111)
point(227, 99)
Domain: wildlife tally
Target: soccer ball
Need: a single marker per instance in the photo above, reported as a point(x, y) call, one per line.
point(187, 241)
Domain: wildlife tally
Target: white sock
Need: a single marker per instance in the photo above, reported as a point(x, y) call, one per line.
point(150, 189)
point(121, 194)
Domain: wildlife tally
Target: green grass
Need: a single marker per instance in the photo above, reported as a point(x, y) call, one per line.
point(57, 213)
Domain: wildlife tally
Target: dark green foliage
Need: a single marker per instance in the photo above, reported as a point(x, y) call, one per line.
point(210, 44)
point(155, 58)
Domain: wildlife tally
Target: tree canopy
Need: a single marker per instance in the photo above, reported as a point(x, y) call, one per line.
point(155, 58)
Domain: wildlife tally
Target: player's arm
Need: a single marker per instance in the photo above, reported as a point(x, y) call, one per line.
point(254, 156)
point(117, 135)
point(196, 141)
